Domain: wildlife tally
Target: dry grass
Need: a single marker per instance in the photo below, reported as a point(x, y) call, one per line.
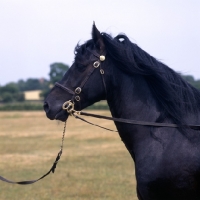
point(95, 164)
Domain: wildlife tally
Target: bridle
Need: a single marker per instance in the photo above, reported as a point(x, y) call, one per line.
point(77, 91)
point(68, 106)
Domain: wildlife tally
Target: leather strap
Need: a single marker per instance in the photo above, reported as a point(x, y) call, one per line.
point(33, 181)
point(143, 123)
point(64, 88)
point(84, 120)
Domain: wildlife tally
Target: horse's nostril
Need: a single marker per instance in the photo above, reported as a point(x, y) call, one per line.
point(46, 107)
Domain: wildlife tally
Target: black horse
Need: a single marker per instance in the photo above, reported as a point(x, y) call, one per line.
point(137, 86)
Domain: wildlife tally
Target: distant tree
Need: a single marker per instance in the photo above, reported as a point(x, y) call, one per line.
point(19, 96)
point(7, 97)
point(190, 79)
point(57, 71)
point(33, 84)
point(10, 92)
point(44, 84)
point(21, 85)
point(10, 87)
point(44, 93)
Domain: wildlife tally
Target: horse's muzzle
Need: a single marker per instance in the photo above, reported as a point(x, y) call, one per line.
point(56, 113)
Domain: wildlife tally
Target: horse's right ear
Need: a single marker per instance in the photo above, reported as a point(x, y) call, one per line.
point(97, 37)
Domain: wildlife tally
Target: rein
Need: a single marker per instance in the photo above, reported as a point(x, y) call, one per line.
point(69, 107)
point(52, 169)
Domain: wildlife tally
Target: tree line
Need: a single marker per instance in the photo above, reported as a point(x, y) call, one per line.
point(14, 92)
point(192, 81)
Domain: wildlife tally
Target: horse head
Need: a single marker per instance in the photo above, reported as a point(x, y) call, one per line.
point(83, 84)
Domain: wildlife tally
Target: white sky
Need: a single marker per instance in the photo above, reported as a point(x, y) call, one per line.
point(37, 33)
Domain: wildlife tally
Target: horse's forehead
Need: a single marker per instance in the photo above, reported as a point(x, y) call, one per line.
point(85, 57)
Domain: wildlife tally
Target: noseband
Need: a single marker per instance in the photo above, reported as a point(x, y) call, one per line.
point(76, 93)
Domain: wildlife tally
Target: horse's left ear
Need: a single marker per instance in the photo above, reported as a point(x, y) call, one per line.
point(97, 37)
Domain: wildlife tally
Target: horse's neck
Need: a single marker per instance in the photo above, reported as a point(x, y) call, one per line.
point(131, 98)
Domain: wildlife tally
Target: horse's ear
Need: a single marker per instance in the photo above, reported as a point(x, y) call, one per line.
point(97, 37)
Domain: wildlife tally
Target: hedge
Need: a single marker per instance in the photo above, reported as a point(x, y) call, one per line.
point(39, 106)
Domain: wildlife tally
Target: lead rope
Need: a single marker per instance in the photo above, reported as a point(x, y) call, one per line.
point(51, 170)
point(63, 137)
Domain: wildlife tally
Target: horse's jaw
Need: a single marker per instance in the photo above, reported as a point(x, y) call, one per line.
point(62, 116)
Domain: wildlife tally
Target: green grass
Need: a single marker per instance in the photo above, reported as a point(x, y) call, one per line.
point(95, 165)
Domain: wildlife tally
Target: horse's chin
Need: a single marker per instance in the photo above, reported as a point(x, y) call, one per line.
point(62, 116)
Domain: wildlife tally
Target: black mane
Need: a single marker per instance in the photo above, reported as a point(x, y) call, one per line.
point(176, 97)
point(80, 50)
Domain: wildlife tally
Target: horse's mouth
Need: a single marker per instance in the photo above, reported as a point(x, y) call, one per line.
point(62, 116)
point(55, 114)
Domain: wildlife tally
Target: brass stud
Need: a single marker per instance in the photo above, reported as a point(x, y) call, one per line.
point(101, 71)
point(96, 64)
point(78, 90)
point(102, 58)
point(77, 98)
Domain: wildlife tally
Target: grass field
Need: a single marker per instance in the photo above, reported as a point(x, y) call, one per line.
point(95, 165)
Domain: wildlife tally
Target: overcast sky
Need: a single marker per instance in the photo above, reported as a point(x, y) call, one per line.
point(37, 33)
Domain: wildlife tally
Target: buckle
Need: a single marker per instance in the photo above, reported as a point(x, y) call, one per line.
point(68, 106)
